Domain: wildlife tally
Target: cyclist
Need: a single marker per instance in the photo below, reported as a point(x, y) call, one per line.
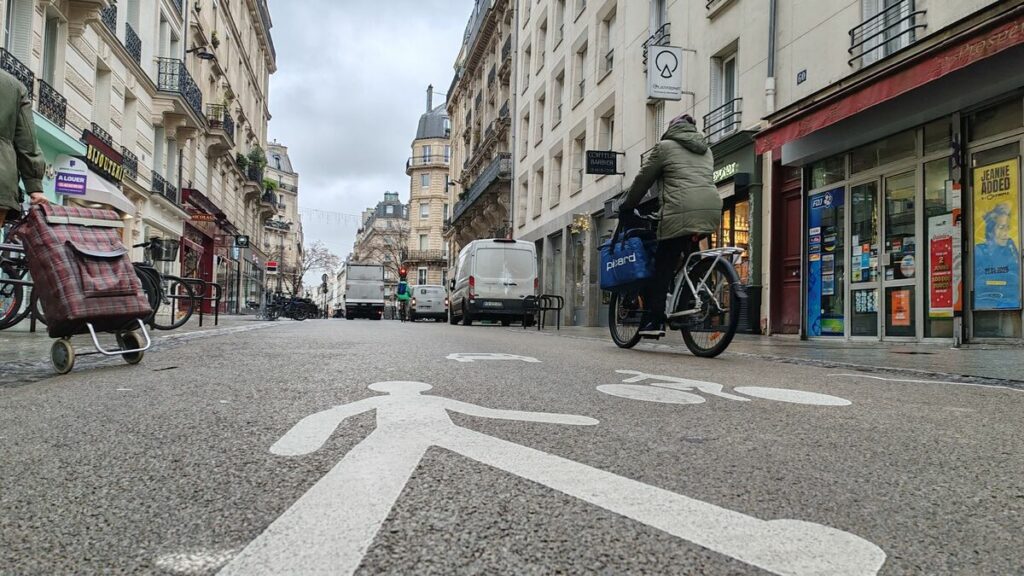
point(403, 293)
point(22, 159)
point(690, 208)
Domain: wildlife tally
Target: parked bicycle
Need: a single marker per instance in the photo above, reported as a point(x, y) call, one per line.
point(289, 307)
point(164, 290)
point(708, 321)
point(15, 283)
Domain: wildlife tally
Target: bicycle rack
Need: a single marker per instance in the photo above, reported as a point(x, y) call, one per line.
point(202, 297)
point(543, 304)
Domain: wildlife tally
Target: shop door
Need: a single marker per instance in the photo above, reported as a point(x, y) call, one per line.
point(995, 258)
point(786, 263)
point(899, 256)
point(864, 250)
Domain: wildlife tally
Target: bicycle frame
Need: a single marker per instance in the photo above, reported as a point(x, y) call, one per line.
point(728, 254)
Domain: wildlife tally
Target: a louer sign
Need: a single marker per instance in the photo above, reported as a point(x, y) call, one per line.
point(665, 72)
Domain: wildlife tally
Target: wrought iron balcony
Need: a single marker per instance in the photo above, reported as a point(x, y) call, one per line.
point(51, 104)
point(102, 134)
point(885, 33)
point(254, 174)
point(130, 163)
point(269, 198)
point(432, 160)
point(426, 256)
point(723, 120)
point(173, 77)
point(164, 188)
point(219, 118)
point(17, 69)
point(109, 18)
point(500, 169)
point(661, 37)
point(277, 225)
point(132, 43)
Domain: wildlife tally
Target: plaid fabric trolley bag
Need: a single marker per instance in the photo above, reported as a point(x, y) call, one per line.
point(85, 280)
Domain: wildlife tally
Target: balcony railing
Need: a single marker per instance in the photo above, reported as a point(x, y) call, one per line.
point(173, 77)
point(269, 198)
point(109, 18)
point(102, 134)
point(885, 33)
point(164, 188)
point(218, 117)
point(500, 168)
point(132, 43)
point(723, 120)
point(17, 69)
point(130, 163)
point(427, 160)
point(254, 174)
point(277, 225)
point(52, 105)
point(661, 37)
point(426, 256)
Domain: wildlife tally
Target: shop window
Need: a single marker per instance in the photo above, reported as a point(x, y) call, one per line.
point(996, 120)
point(896, 147)
point(864, 249)
point(826, 264)
point(827, 171)
point(939, 257)
point(938, 136)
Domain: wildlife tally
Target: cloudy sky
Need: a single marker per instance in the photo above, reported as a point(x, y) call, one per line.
point(349, 90)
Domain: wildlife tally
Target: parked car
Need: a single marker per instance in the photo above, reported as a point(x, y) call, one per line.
point(429, 302)
point(492, 280)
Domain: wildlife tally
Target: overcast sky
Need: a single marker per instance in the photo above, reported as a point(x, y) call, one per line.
point(349, 89)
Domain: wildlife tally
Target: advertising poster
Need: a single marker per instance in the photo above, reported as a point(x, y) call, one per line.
point(940, 266)
point(72, 176)
point(997, 236)
point(823, 209)
point(899, 308)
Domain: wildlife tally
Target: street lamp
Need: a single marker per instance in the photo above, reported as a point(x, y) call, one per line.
point(201, 52)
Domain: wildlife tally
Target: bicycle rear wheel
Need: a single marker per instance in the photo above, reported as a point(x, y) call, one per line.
point(709, 332)
point(624, 313)
point(11, 298)
point(179, 297)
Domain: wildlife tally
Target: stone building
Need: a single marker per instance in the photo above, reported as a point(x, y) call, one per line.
point(383, 238)
point(283, 239)
point(426, 258)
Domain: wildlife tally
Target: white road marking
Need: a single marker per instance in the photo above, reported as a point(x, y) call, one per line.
point(911, 381)
point(650, 394)
point(124, 389)
point(792, 396)
point(330, 528)
point(196, 562)
point(480, 356)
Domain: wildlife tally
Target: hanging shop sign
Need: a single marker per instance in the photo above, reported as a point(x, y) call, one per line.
point(603, 162)
point(665, 72)
point(202, 217)
point(997, 236)
point(102, 158)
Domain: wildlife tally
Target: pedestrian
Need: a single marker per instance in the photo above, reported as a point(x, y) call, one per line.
point(20, 158)
point(690, 208)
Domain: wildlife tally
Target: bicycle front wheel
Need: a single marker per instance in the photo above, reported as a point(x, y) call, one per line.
point(624, 313)
point(709, 332)
point(11, 296)
point(178, 296)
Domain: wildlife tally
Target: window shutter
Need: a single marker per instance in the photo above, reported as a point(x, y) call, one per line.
point(20, 40)
point(716, 84)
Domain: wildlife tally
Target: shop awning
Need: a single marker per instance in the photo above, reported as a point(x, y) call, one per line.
point(928, 68)
point(78, 183)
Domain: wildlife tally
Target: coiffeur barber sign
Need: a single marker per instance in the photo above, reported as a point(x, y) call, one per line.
point(997, 236)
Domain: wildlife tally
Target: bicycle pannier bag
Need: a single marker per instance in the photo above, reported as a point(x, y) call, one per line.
point(81, 271)
point(627, 261)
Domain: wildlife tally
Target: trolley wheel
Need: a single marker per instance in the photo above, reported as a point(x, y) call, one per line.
point(62, 355)
point(130, 341)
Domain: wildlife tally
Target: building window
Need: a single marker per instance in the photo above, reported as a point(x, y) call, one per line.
point(446, 211)
point(559, 21)
point(421, 276)
point(424, 209)
point(581, 5)
point(655, 122)
point(606, 45)
point(540, 119)
point(724, 118)
point(527, 60)
point(524, 191)
point(558, 94)
point(542, 43)
point(389, 209)
point(53, 45)
point(447, 154)
point(424, 240)
point(556, 179)
point(18, 29)
point(538, 192)
point(578, 146)
point(580, 74)
point(525, 136)
point(607, 130)
point(424, 180)
point(426, 154)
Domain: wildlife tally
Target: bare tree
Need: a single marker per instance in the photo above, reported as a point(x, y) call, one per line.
point(316, 257)
point(390, 248)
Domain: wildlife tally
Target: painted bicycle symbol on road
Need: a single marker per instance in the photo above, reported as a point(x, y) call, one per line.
point(673, 390)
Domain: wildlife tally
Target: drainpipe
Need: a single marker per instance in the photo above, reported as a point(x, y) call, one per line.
point(513, 107)
point(769, 84)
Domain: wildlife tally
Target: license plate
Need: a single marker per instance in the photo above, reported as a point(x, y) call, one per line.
point(492, 305)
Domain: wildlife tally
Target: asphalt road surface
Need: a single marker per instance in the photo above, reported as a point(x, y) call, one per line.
point(334, 446)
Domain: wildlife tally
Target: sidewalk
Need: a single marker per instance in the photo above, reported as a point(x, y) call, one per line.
point(18, 345)
point(983, 362)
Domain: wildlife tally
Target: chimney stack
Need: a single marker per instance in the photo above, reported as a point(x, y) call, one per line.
point(430, 97)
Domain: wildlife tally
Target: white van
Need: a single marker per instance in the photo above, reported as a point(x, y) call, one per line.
point(492, 279)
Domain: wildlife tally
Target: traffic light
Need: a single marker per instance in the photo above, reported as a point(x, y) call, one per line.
point(402, 272)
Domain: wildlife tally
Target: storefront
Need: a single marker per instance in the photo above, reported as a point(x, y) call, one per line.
point(208, 250)
point(913, 232)
point(54, 142)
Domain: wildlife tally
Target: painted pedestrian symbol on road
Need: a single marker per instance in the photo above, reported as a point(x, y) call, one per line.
point(482, 356)
point(672, 390)
point(330, 528)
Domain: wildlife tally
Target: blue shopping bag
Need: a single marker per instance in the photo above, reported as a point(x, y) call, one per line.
point(627, 261)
